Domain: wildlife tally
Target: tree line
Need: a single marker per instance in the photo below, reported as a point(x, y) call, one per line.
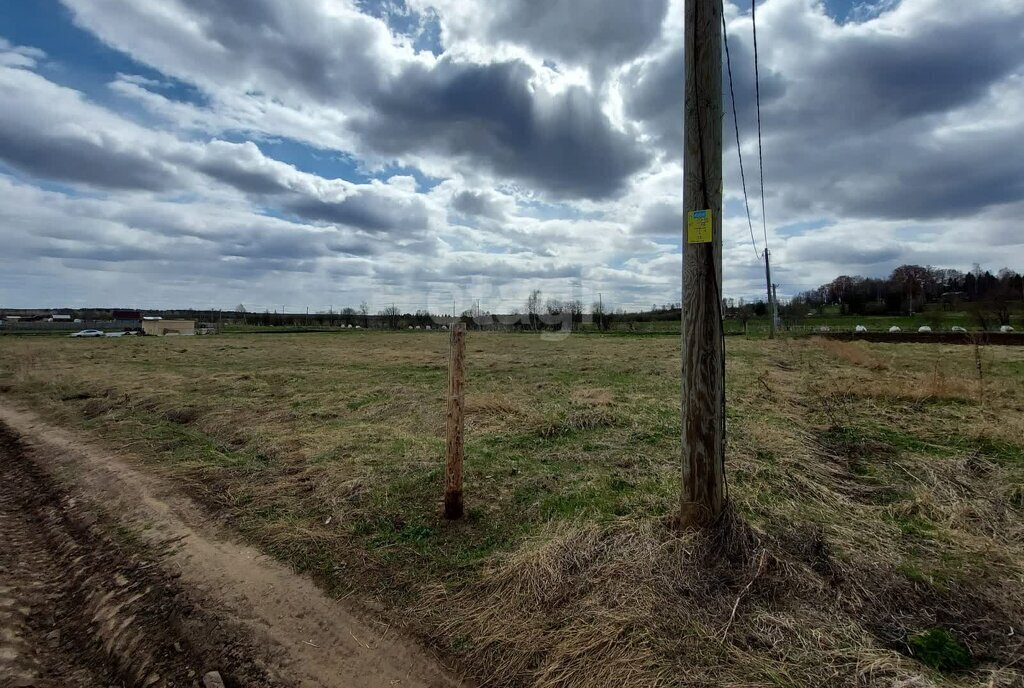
point(910, 287)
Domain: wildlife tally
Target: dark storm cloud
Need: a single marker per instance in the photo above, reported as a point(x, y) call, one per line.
point(479, 203)
point(812, 249)
point(355, 247)
point(105, 254)
point(292, 47)
point(559, 142)
point(903, 172)
point(660, 219)
point(872, 79)
point(870, 124)
point(242, 166)
point(494, 267)
point(276, 245)
point(72, 159)
point(73, 154)
point(487, 114)
point(654, 92)
point(587, 32)
point(51, 132)
point(654, 95)
point(364, 210)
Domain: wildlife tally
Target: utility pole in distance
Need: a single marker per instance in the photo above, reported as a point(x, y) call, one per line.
point(771, 301)
point(702, 494)
point(775, 304)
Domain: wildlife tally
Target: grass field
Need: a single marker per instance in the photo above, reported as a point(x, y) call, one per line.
point(877, 537)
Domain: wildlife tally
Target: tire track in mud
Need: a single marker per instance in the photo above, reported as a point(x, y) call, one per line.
point(77, 609)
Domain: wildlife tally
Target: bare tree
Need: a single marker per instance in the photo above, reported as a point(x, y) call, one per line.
point(391, 313)
point(575, 309)
point(533, 307)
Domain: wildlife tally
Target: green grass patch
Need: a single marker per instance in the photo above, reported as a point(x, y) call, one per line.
point(939, 649)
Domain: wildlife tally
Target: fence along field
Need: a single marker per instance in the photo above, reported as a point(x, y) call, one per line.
point(878, 493)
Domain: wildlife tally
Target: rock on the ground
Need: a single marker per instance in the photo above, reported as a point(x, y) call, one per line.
point(213, 680)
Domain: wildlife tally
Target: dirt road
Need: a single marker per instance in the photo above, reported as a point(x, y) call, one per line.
point(108, 578)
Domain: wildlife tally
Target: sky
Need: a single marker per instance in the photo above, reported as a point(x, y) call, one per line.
point(432, 153)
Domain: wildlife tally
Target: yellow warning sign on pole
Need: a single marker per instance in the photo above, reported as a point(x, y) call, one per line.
point(698, 227)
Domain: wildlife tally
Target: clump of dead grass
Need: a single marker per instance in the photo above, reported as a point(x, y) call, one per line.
point(591, 396)
point(936, 386)
point(575, 420)
point(182, 415)
point(852, 352)
point(634, 604)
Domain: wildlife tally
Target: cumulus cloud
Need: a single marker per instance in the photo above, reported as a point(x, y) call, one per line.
point(77, 141)
point(365, 209)
point(18, 55)
point(480, 203)
point(51, 132)
point(396, 102)
point(561, 142)
point(661, 219)
point(533, 144)
point(591, 33)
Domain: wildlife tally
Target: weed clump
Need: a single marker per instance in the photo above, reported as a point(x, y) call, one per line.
point(938, 649)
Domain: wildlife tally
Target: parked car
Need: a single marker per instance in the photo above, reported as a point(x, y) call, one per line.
point(957, 328)
point(1005, 329)
point(87, 333)
point(114, 334)
point(894, 329)
point(860, 328)
point(924, 329)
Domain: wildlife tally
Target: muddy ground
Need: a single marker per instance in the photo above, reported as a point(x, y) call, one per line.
point(107, 579)
point(78, 608)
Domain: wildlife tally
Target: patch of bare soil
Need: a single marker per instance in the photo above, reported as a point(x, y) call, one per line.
point(78, 608)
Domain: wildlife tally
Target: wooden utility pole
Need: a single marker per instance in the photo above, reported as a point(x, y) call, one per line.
point(775, 305)
point(771, 301)
point(703, 494)
point(455, 422)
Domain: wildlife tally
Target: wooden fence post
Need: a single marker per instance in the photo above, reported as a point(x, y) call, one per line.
point(454, 448)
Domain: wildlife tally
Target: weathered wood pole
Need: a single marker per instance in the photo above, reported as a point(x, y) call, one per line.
point(703, 494)
point(456, 422)
point(768, 286)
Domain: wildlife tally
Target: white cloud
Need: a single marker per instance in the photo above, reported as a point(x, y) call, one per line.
point(552, 138)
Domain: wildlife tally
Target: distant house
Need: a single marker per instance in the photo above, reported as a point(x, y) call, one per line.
point(161, 327)
point(127, 318)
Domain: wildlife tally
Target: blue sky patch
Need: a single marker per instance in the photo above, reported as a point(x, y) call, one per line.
point(76, 58)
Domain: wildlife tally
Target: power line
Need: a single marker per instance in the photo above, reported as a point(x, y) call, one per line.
point(757, 97)
point(736, 126)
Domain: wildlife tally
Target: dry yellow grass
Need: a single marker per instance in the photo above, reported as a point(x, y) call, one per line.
point(877, 494)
